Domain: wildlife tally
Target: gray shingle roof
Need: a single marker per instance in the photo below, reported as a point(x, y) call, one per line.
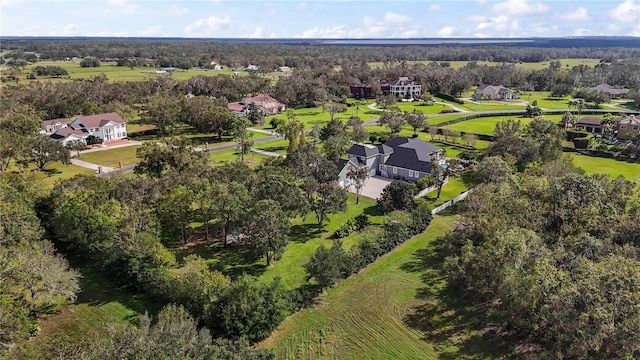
point(363, 150)
point(412, 154)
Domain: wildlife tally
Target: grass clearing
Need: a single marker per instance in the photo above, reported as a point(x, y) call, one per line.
point(231, 156)
point(397, 308)
point(315, 115)
point(613, 167)
point(98, 303)
point(112, 157)
point(567, 63)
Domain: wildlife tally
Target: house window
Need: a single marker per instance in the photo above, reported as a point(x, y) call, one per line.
point(623, 127)
point(361, 160)
point(635, 127)
point(380, 167)
point(410, 173)
point(417, 174)
point(96, 129)
point(395, 170)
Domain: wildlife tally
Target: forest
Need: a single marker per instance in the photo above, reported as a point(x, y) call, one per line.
point(549, 253)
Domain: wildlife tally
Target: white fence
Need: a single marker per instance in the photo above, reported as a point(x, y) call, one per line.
point(451, 202)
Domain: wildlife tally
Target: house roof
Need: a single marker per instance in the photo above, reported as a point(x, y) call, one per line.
point(385, 149)
point(589, 121)
point(235, 106)
point(402, 81)
point(99, 120)
point(55, 121)
point(412, 154)
point(630, 120)
point(606, 88)
point(66, 132)
point(363, 150)
point(343, 163)
point(494, 88)
point(360, 85)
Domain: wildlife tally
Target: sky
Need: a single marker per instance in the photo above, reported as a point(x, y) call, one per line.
point(320, 19)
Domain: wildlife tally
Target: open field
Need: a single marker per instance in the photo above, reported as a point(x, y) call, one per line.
point(230, 156)
point(122, 73)
point(112, 157)
point(615, 168)
point(485, 125)
point(567, 63)
point(397, 308)
point(55, 171)
point(315, 115)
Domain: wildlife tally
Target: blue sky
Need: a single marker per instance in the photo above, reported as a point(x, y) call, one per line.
point(320, 19)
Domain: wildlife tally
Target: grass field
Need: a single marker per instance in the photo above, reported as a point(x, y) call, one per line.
point(567, 63)
point(112, 157)
point(397, 308)
point(55, 171)
point(122, 73)
point(615, 168)
point(231, 156)
point(315, 115)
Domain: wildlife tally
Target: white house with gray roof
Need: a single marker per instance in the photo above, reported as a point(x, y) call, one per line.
point(400, 158)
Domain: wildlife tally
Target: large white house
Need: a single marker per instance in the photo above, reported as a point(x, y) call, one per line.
point(108, 127)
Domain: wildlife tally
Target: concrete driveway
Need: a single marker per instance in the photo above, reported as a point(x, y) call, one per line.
point(373, 187)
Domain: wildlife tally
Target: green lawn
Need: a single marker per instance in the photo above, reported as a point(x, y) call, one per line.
point(615, 168)
point(397, 308)
point(485, 125)
point(112, 157)
point(453, 188)
point(315, 115)
point(565, 63)
point(122, 73)
point(98, 302)
point(55, 171)
point(305, 239)
point(278, 146)
point(231, 156)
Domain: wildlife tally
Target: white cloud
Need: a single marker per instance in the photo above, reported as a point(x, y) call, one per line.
point(121, 34)
point(69, 29)
point(447, 31)
point(409, 33)
point(390, 25)
point(580, 14)
point(10, 2)
point(435, 8)
point(207, 26)
point(338, 31)
point(477, 18)
point(177, 11)
point(581, 32)
point(126, 7)
point(396, 18)
point(130, 9)
point(498, 23)
point(151, 31)
point(519, 8)
point(258, 33)
point(627, 12)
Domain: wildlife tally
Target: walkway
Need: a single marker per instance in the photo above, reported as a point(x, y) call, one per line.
point(267, 153)
point(88, 165)
point(262, 131)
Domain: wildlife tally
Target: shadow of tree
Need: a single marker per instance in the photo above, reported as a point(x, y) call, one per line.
point(448, 317)
point(301, 233)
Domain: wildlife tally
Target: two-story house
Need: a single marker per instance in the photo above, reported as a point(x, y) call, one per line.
point(108, 127)
point(400, 158)
point(628, 128)
point(402, 88)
